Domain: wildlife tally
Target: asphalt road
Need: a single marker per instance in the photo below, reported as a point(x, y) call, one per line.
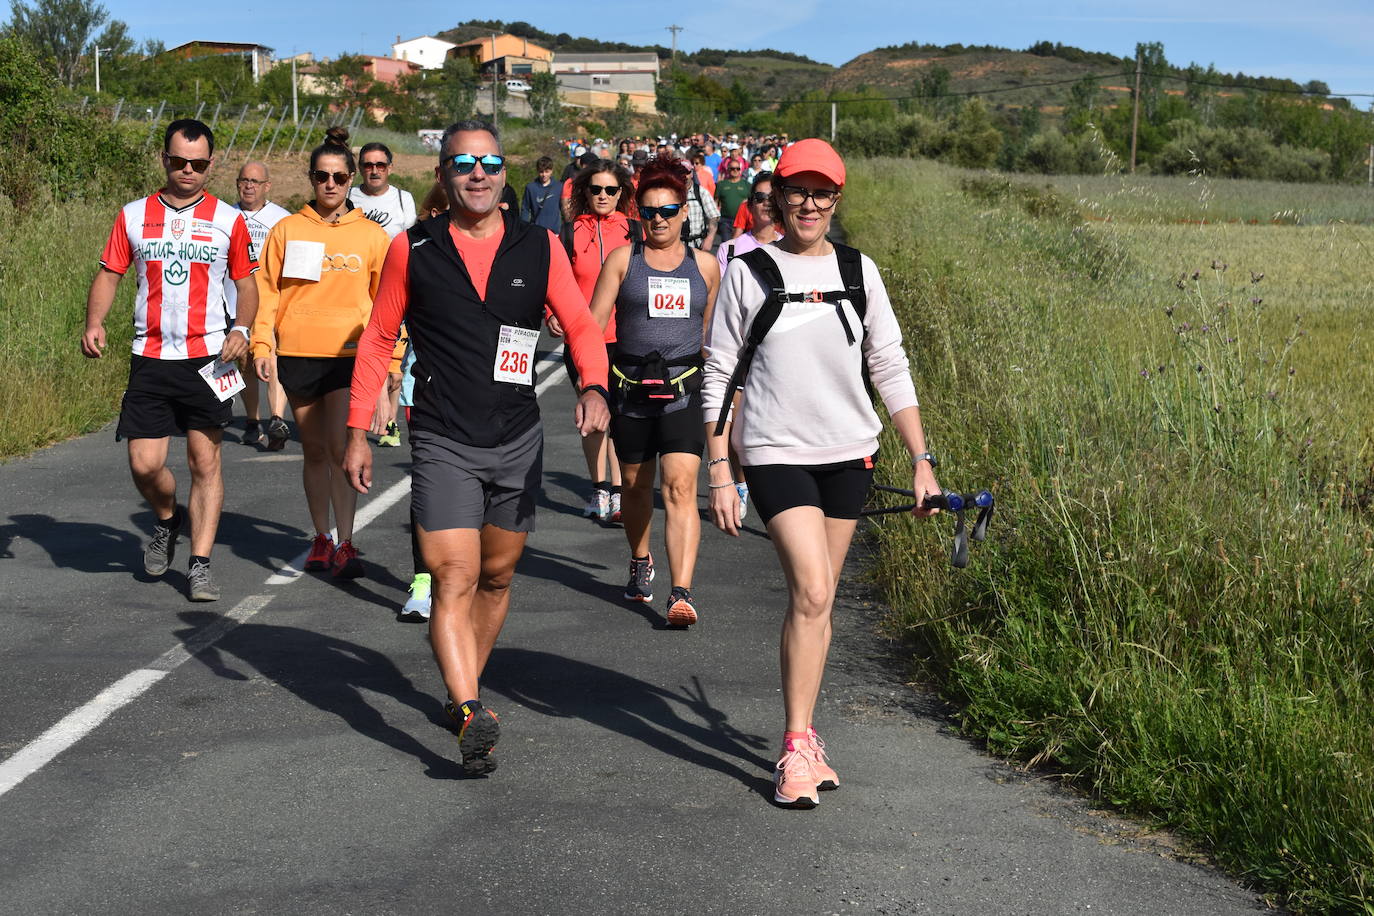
point(284, 750)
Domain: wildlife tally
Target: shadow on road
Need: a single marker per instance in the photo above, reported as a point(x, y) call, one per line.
point(566, 688)
point(83, 546)
point(328, 673)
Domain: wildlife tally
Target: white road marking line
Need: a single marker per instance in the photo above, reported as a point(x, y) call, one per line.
point(83, 720)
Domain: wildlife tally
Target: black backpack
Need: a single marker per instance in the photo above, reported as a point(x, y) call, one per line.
point(565, 234)
point(766, 269)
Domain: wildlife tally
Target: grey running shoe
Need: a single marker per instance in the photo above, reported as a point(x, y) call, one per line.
point(277, 434)
point(203, 587)
point(641, 574)
point(157, 556)
point(478, 731)
point(252, 433)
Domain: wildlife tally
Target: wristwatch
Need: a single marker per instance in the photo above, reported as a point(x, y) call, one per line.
point(242, 330)
point(925, 456)
point(605, 395)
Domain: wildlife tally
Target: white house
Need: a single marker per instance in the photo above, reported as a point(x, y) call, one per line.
point(427, 51)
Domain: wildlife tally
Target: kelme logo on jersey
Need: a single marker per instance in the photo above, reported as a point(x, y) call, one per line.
point(175, 273)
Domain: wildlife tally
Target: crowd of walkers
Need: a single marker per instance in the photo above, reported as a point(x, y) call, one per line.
point(757, 353)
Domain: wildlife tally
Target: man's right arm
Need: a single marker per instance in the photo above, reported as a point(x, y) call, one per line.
point(98, 303)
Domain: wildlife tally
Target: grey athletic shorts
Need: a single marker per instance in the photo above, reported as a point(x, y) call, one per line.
point(462, 486)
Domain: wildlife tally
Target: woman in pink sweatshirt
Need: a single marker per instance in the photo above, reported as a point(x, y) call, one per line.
point(806, 430)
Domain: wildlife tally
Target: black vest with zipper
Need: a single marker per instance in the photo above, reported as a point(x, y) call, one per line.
point(455, 333)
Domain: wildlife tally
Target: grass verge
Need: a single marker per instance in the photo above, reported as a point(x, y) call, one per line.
point(1171, 603)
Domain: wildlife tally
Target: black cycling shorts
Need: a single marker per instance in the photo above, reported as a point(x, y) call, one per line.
point(306, 378)
point(838, 490)
point(641, 439)
point(167, 396)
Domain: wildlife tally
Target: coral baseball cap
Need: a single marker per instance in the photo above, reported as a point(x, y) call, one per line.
point(811, 156)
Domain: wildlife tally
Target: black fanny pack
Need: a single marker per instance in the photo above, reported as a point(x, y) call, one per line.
point(657, 380)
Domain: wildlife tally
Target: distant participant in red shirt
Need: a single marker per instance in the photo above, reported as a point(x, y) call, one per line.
point(472, 286)
point(183, 243)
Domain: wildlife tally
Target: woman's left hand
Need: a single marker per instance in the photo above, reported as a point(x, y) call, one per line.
point(382, 414)
point(924, 484)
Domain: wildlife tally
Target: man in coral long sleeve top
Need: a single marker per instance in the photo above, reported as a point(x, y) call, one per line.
point(472, 286)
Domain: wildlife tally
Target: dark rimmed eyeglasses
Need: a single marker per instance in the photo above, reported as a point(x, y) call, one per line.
point(320, 176)
point(253, 181)
point(667, 211)
point(822, 199)
point(464, 163)
point(179, 163)
point(610, 190)
point(759, 197)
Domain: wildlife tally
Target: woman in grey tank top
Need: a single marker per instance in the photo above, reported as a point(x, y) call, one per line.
point(661, 294)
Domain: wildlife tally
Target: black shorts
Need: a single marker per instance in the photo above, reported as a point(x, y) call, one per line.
point(309, 377)
point(167, 396)
point(572, 369)
point(838, 490)
point(641, 439)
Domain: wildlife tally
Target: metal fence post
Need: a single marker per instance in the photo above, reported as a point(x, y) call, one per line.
point(276, 133)
point(214, 118)
point(84, 100)
point(243, 114)
point(199, 109)
point(295, 135)
point(261, 128)
point(153, 120)
point(114, 118)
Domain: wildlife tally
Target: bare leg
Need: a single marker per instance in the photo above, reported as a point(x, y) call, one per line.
point(682, 529)
point(148, 465)
point(343, 496)
point(206, 500)
point(312, 420)
point(276, 394)
point(637, 504)
point(810, 547)
point(471, 573)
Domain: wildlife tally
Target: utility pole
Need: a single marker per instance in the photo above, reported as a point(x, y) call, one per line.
point(674, 29)
point(97, 67)
point(495, 90)
point(295, 114)
point(833, 106)
point(1135, 113)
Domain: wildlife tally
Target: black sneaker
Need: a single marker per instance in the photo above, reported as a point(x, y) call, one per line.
point(277, 434)
point(478, 731)
point(681, 611)
point(202, 584)
point(157, 556)
point(252, 433)
point(641, 574)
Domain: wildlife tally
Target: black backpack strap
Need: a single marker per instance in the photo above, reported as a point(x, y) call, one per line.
point(565, 232)
point(775, 296)
point(852, 275)
point(730, 252)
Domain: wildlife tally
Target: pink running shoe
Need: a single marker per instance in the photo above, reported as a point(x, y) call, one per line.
point(826, 777)
point(794, 782)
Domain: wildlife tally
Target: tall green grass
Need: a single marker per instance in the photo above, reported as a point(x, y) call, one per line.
point(48, 390)
point(1172, 601)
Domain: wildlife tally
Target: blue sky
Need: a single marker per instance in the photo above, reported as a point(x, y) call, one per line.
point(1327, 40)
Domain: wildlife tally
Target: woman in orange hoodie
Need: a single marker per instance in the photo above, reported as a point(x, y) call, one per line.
point(319, 271)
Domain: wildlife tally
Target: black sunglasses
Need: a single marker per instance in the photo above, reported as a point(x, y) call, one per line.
point(610, 190)
point(667, 211)
point(320, 176)
point(178, 163)
point(464, 163)
point(380, 164)
point(759, 197)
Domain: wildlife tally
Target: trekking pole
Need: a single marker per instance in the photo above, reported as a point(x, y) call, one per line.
point(948, 501)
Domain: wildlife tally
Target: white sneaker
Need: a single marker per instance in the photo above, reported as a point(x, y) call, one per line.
point(615, 506)
point(417, 605)
point(598, 505)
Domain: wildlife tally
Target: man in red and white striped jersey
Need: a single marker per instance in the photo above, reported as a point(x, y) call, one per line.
point(183, 244)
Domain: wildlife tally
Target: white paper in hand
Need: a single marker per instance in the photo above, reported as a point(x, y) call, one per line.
point(303, 260)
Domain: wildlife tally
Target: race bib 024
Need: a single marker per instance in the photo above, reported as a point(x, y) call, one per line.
point(670, 297)
point(515, 355)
